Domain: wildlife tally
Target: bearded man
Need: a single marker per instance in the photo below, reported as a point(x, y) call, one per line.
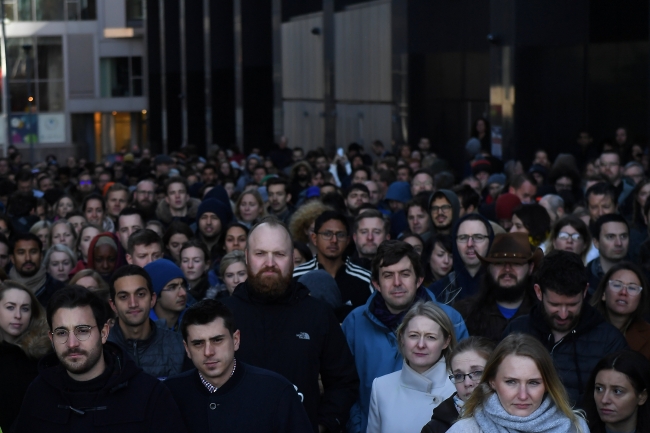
point(291, 333)
point(507, 290)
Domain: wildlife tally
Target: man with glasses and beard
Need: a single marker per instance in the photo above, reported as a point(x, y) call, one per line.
point(291, 333)
point(89, 384)
point(571, 330)
point(144, 199)
point(506, 292)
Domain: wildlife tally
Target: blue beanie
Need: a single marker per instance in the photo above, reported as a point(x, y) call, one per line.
point(216, 207)
point(399, 191)
point(162, 271)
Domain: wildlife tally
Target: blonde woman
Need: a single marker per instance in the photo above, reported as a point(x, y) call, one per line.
point(249, 208)
point(63, 233)
point(42, 229)
point(59, 262)
point(520, 391)
point(402, 401)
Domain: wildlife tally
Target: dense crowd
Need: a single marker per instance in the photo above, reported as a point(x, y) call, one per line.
point(374, 290)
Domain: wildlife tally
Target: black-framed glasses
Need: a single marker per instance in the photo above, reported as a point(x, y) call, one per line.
point(477, 238)
point(81, 332)
point(443, 208)
point(617, 286)
point(460, 377)
point(565, 236)
point(340, 236)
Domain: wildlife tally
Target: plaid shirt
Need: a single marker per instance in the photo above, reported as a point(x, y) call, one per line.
point(210, 387)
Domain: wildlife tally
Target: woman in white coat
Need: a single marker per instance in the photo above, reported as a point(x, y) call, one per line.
point(403, 401)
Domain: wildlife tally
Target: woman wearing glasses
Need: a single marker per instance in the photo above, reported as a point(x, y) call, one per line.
point(402, 401)
point(465, 365)
point(571, 234)
point(23, 341)
point(622, 299)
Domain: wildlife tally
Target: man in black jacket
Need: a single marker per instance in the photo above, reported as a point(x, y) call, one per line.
point(218, 394)
point(575, 334)
point(289, 332)
point(88, 384)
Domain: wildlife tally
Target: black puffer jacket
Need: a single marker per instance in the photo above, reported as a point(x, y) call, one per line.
point(444, 415)
point(576, 355)
point(161, 355)
point(299, 337)
point(122, 399)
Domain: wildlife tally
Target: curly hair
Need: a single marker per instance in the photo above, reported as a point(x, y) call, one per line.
point(303, 218)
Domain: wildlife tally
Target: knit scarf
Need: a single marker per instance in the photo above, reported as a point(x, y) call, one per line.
point(547, 418)
point(33, 283)
point(392, 321)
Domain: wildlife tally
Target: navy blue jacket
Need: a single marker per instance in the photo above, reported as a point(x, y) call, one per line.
point(276, 405)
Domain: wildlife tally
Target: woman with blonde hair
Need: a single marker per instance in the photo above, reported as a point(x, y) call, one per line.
point(59, 262)
point(520, 391)
point(63, 233)
point(232, 270)
point(23, 342)
point(42, 229)
point(302, 221)
point(402, 401)
point(249, 208)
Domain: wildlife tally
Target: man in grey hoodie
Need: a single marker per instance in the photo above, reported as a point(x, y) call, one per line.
point(444, 208)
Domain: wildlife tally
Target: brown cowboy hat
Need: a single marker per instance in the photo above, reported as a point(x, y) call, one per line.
point(512, 248)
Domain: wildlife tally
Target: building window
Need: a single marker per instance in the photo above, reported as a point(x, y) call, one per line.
point(50, 10)
point(35, 67)
point(134, 13)
point(121, 77)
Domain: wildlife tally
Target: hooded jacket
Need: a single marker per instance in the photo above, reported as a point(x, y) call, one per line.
point(164, 213)
point(459, 284)
point(575, 355)
point(453, 200)
point(376, 354)
point(299, 337)
point(123, 399)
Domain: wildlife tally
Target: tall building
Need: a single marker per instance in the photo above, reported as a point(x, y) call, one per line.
point(77, 77)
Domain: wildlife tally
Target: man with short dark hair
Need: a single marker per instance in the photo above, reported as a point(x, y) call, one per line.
point(469, 199)
point(418, 218)
point(601, 200)
point(331, 237)
point(144, 247)
point(572, 330)
point(128, 222)
point(444, 208)
point(524, 186)
point(158, 351)
point(397, 276)
point(89, 384)
point(611, 235)
point(307, 341)
point(371, 228)
point(356, 195)
point(177, 205)
point(211, 340)
point(27, 259)
point(506, 292)
point(279, 199)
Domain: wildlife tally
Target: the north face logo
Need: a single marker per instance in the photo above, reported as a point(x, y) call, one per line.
point(303, 335)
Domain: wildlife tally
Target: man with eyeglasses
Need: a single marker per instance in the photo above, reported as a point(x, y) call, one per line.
point(611, 233)
point(472, 237)
point(157, 350)
point(444, 208)
point(331, 237)
point(506, 292)
point(574, 333)
point(144, 198)
point(171, 289)
point(89, 384)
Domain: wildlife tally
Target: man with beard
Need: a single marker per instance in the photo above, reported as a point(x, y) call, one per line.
point(89, 384)
point(211, 218)
point(507, 289)
point(444, 208)
point(572, 330)
point(158, 351)
point(371, 228)
point(279, 199)
point(291, 333)
point(300, 176)
point(144, 199)
point(331, 237)
point(356, 195)
point(27, 258)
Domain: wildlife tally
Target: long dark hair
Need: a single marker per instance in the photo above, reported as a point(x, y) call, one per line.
point(637, 369)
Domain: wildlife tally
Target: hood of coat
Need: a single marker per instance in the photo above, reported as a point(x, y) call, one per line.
point(459, 265)
point(164, 213)
point(120, 251)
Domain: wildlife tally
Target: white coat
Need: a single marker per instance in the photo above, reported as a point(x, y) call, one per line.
point(403, 401)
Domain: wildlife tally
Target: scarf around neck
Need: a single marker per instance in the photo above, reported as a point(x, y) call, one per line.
point(383, 314)
point(547, 418)
point(33, 283)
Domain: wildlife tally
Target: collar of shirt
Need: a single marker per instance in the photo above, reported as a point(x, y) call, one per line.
point(210, 387)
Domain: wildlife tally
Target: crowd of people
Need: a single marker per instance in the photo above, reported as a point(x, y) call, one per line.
point(374, 290)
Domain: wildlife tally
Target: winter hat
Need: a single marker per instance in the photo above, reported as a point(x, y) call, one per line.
point(162, 271)
point(312, 191)
point(505, 205)
point(322, 286)
point(538, 168)
point(216, 207)
point(105, 240)
point(499, 178)
point(481, 165)
point(399, 191)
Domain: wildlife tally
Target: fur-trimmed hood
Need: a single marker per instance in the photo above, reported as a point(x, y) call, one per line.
point(164, 214)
